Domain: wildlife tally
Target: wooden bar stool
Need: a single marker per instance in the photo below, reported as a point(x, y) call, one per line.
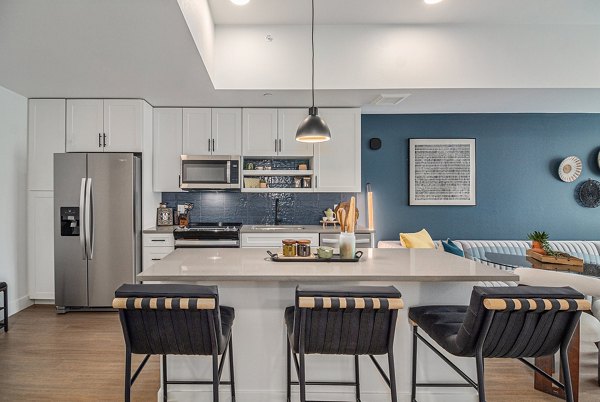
point(175, 320)
point(501, 322)
point(4, 308)
point(352, 321)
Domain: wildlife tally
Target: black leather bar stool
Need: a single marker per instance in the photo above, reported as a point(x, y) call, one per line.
point(4, 308)
point(501, 322)
point(175, 320)
point(351, 321)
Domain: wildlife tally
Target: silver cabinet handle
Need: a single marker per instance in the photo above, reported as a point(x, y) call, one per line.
point(213, 145)
point(280, 145)
point(330, 241)
point(156, 259)
point(363, 241)
point(99, 140)
point(104, 140)
point(209, 145)
point(89, 220)
point(158, 240)
point(82, 218)
point(275, 145)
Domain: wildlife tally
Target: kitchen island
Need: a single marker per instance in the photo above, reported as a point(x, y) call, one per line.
point(260, 289)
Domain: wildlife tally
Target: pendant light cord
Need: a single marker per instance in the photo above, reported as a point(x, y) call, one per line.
point(313, 52)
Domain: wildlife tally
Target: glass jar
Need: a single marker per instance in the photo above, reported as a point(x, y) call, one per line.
point(303, 248)
point(347, 245)
point(289, 247)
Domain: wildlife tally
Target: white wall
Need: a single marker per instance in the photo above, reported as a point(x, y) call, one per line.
point(407, 56)
point(13, 198)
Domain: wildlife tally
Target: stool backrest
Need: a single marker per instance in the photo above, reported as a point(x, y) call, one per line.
point(523, 321)
point(347, 321)
point(169, 319)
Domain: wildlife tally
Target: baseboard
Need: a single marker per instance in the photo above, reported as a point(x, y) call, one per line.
point(204, 395)
point(14, 306)
point(44, 301)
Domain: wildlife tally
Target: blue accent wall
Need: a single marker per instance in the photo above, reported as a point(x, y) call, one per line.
point(518, 189)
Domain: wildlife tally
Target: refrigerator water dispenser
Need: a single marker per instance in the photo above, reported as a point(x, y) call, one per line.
point(69, 221)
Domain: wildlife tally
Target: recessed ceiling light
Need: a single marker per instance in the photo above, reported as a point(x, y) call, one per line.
point(426, 1)
point(240, 2)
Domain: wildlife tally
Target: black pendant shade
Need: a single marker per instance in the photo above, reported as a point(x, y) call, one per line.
point(313, 128)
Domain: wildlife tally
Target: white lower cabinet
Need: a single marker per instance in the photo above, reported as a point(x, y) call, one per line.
point(250, 240)
point(40, 244)
point(156, 247)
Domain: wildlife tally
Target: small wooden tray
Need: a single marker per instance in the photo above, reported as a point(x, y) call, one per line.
point(314, 258)
point(548, 259)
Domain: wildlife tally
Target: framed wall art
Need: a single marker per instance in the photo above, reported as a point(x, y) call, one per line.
point(442, 171)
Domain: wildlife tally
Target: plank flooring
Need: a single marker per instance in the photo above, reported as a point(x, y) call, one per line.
point(79, 357)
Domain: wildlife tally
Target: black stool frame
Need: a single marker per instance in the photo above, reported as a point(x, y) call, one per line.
point(308, 303)
point(4, 308)
point(504, 305)
point(217, 364)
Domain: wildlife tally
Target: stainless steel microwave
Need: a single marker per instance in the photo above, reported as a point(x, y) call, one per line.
point(210, 172)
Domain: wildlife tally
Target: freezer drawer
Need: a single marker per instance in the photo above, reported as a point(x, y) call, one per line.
point(363, 240)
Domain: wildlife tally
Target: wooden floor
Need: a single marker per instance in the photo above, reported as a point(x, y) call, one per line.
point(79, 357)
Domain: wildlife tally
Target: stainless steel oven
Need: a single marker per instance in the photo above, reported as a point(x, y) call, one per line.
point(210, 172)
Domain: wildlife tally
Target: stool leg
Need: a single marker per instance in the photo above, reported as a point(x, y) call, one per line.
point(480, 376)
point(289, 370)
point(127, 376)
point(566, 372)
point(413, 391)
point(164, 379)
point(392, 375)
point(231, 368)
point(215, 363)
point(302, 377)
point(5, 309)
point(357, 377)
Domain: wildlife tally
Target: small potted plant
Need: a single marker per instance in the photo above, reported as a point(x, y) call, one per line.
point(538, 241)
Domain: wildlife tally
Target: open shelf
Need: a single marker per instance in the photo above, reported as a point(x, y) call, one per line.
point(278, 190)
point(277, 172)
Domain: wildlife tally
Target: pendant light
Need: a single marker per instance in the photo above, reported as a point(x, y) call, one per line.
point(313, 128)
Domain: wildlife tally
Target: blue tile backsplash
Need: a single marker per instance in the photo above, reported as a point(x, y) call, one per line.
point(256, 208)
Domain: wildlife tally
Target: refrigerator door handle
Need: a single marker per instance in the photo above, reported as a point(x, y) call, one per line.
point(89, 220)
point(82, 218)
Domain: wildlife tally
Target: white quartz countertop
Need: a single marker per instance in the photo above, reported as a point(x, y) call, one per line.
point(269, 229)
point(252, 264)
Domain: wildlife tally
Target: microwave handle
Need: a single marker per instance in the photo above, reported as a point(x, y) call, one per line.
point(228, 172)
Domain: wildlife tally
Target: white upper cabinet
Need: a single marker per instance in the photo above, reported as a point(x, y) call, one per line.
point(259, 130)
point(46, 137)
point(226, 131)
point(109, 125)
point(337, 161)
point(85, 125)
point(123, 120)
point(288, 122)
point(197, 126)
point(168, 148)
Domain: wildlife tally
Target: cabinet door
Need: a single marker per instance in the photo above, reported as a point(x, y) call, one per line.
point(259, 132)
point(123, 122)
point(196, 131)
point(337, 161)
point(227, 131)
point(46, 137)
point(85, 125)
point(40, 245)
point(288, 121)
point(167, 149)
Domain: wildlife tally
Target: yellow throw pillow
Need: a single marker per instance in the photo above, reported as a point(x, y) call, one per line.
point(417, 240)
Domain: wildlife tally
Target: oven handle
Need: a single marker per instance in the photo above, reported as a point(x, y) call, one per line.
point(228, 172)
point(207, 243)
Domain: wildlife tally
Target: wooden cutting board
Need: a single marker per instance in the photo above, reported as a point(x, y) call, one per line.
point(548, 259)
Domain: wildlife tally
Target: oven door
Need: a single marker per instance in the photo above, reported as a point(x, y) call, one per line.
point(209, 172)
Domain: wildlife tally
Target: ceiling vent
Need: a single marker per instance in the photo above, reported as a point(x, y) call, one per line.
point(389, 99)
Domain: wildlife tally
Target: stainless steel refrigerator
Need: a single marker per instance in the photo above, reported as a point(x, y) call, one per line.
point(97, 231)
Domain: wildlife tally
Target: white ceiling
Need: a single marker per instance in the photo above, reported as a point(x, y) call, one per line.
point(272, 12)
point(143, 49)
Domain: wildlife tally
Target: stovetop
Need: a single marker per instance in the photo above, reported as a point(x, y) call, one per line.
point(211, 227)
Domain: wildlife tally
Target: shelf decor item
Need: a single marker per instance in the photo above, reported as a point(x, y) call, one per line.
point(313, 128)
point(570, 169)
point(442, 171)
point(589, 194)
point(164, 215)
point(538, 239)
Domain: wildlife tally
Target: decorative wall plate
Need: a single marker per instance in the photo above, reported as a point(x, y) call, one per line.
point(570, 169)
point(589, 194)
point(599, 159)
